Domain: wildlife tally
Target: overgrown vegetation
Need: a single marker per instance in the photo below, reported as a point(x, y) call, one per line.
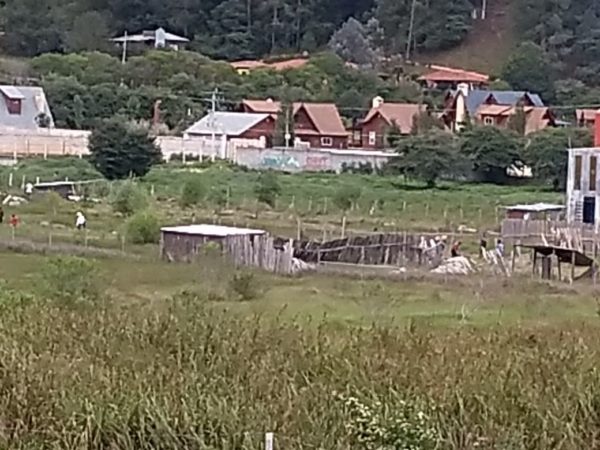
point(226, 375)
point(143, 228)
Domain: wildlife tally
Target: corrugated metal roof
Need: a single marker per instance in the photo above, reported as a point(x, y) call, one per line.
point(12, 92)
point(228, 123)
point(211, 230)
point(511, 98)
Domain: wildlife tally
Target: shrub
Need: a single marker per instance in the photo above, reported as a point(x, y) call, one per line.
point(244, 286)
point(267, 188)
point(193, 192)
point(70, 280)
point(129, 198)
point(346, 196)
point(143, 228)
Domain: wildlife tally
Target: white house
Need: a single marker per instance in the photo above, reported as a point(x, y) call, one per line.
point(583, 182)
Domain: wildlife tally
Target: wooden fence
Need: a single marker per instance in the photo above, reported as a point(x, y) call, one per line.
point(380, 249)
point(577, 236)
point(260, 251)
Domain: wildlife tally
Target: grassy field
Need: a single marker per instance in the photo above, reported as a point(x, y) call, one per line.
point(306, 201)
point(130, 352)
point(165, 357)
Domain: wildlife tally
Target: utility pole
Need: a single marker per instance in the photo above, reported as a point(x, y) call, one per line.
point(410, 29)
point(287, 136)
point(124, 55)
point(213, 110)
point(484, 9)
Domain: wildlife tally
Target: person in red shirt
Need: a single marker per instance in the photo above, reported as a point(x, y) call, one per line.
point(14, 220)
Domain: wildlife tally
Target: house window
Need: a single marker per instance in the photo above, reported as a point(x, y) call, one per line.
point(13, 106)
point(326, 142)
point(578, 167)
point(488, 121)
point(372, 137)
point(593, 165)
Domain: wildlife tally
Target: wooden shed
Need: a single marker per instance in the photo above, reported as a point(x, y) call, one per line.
point(244, 246)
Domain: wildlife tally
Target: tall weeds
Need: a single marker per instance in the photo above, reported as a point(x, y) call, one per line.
point(184, 373)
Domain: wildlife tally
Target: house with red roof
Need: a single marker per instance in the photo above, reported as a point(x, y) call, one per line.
point(317, 124)
point(384, 118)
point(443, 77)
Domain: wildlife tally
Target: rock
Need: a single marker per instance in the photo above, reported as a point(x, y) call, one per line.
point(44, 223)
point(455, 266)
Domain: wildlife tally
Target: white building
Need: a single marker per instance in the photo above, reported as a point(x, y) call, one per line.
point(583, 182)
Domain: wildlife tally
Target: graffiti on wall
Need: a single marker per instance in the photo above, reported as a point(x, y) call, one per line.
point(316, 163)
point(280, 162)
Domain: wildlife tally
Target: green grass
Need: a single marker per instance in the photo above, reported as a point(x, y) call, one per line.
point(155, 363)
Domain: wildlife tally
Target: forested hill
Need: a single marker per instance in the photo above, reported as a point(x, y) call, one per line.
point(229, 29)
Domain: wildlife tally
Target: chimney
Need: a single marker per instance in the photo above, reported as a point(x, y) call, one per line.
point(597, 129)
point(463, 88)
point(377, 102)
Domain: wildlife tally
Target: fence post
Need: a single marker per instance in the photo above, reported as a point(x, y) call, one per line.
point(10, 179)
point(269, 437)
point(343, 227)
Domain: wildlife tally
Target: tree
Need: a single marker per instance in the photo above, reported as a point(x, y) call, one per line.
point(193, 192)
point(518, 121)
point(427, 157)
point(119, 150)
point(267, 188)
point(545, 152)
point(490, 151)
point(351, 44)
point(528, 69)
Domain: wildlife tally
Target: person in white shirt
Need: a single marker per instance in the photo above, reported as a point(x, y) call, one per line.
point(80, 221)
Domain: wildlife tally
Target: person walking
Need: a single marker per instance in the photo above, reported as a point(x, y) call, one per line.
point(80, 221)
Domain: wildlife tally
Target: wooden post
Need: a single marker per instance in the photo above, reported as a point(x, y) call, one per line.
point(50, 239)
point(10, 179)
point(514, 257)
point(299, 228)
point(572, 267)
point(269, 437)
point(559, 268)
point(534, 262)
point(310, 200)
point(362, 254)
point(343, 227)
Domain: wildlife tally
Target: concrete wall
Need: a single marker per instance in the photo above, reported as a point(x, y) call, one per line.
point(43, 143)
point(298, 160)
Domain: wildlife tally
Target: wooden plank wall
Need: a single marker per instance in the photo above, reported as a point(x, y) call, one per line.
point(396, 249)
point(259, 251)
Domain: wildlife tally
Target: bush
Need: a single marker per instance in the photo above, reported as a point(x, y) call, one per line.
point(267, 188)
point(129, 198)
point(143, 228)
point(346, 196)
point(70, 280)
point(193, 192)
point(244, 286)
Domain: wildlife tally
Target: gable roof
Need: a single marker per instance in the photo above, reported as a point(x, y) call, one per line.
point(450, 74)
point(400, 113)
point(510, 98)
point(586, 115)
point(227, 123)
point(33, 103)
point(151, 36)
point(324, 116)
point(536, 118)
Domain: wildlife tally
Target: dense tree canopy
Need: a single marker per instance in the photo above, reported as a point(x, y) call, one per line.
point(232, 29)
point(119, 150)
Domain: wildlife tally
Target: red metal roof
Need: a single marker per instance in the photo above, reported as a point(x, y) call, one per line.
point(449, 74)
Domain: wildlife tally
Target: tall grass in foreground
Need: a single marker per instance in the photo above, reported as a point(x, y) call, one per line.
point(180, 374)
